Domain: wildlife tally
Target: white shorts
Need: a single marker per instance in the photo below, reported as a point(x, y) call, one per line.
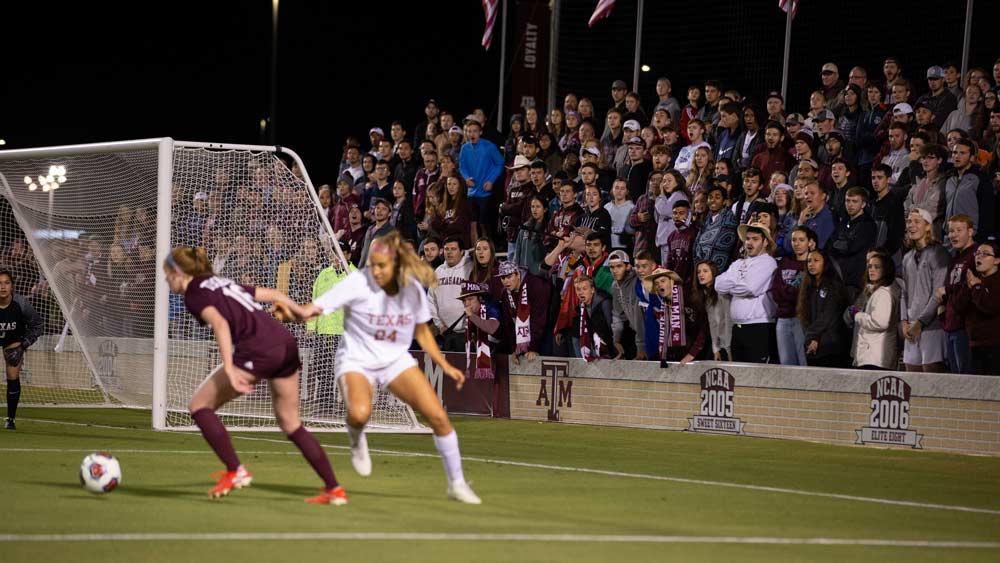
point(931, 349)
point(377, 376)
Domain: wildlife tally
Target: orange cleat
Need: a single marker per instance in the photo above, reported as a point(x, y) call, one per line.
point(229, 480)
point(335, 497)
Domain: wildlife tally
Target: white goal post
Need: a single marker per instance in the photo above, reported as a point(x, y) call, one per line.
point(84, 229)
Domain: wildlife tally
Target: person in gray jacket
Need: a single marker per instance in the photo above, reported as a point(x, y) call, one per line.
point(925, 268)
point(626, 309)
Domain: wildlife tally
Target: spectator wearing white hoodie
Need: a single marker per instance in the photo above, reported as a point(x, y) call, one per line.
point(748, 281)
point(447, 310)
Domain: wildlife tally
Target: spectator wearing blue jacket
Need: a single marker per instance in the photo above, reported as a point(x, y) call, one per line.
point(480, 164)
point(815, 215)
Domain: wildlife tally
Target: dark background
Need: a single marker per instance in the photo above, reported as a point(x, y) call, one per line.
point(91, 72)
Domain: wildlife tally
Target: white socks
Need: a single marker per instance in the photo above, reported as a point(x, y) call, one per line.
point(447, 446)
point(356, 435)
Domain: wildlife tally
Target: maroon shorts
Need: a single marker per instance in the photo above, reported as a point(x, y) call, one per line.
point(269, 360)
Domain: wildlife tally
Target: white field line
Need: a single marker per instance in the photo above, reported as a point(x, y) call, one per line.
point(438, 537)
point(744, 486)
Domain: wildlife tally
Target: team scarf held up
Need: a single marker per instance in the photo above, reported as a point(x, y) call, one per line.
point(590, 341)
point(522, 320)
point(483, 366)
point(672, 322)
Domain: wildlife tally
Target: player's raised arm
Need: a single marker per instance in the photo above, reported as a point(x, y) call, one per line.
point(284, 308)
point(336, 297)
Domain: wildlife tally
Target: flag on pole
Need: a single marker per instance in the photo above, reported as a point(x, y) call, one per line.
point(783, 4)
point(602, 10)
point(490, 9)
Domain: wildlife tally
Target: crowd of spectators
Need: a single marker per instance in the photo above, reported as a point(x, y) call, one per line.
point(860, 232)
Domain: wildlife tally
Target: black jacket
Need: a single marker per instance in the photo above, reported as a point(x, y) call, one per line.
point(849, 246)
point(826, 305)
point(600, 322)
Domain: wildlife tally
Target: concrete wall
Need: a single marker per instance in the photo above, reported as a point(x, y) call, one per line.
point(941, 412)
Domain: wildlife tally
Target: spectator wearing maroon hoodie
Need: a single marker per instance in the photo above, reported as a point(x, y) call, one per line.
point(525, 302)
point(339, 214)
point(963, 250)
point(426, 175)
point(979, 302)
point(773, 156)
point(564, 220)
point(642, 219)
point(680, 243)
point(785, 284)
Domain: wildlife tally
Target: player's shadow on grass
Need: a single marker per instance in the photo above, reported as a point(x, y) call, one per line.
point(36, 432)
point(130, 490)
point(300, 490)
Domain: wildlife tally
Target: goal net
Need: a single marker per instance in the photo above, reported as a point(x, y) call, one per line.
point(84, 229)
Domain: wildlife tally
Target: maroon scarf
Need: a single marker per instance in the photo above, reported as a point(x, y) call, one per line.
point(483, 367)
point(522, 320)
point(672, 321)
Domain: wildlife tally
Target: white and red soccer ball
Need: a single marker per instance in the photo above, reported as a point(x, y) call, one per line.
point(100, 473)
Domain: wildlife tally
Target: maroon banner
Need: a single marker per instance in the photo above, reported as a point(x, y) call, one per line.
point(530, 58)
point(485, 397)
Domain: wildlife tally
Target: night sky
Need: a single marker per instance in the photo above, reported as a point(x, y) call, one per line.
point(199, 71)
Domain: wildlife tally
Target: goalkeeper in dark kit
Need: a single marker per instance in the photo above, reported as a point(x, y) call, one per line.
point(20, 327)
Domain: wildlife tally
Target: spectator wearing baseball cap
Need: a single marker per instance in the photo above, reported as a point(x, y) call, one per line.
point(794, 122)
point(925, 345)
point(525, 301)
point(832, 84)
point(938, 100)
point(628, 317)
point(775, 105)
point(619, 89)
point(432, 113)
point(631, 129)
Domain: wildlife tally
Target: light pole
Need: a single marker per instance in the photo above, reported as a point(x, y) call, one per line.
point(48, 184)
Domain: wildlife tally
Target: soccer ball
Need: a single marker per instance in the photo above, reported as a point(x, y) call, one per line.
point(100, 473)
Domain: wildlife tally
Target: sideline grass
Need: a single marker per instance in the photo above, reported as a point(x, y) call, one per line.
point(165, 492)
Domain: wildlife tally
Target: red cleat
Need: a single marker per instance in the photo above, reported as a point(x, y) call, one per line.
point(229, 480)
point(335, 497)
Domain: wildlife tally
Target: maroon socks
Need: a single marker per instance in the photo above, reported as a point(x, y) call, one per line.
point(315, 455)
point(217, 437)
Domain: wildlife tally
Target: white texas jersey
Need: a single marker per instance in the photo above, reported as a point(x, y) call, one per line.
point(378, 328)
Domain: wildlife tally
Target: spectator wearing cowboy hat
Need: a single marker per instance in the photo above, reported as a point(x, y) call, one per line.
point(748, 280)
point(683, 330)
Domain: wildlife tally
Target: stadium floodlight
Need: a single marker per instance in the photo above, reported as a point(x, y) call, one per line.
point(645, 68)
point(128, 342)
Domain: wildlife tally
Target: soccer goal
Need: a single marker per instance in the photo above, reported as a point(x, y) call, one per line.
point(84, 229)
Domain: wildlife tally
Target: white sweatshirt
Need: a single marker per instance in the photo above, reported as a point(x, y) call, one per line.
point(748, 280)
point(444, 303)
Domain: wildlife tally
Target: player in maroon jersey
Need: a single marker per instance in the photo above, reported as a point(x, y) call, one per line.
point(253, 346)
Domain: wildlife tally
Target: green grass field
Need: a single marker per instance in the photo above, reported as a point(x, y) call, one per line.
point(551, 492)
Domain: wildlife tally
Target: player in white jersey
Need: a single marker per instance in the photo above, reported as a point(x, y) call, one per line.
point(385, 308)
